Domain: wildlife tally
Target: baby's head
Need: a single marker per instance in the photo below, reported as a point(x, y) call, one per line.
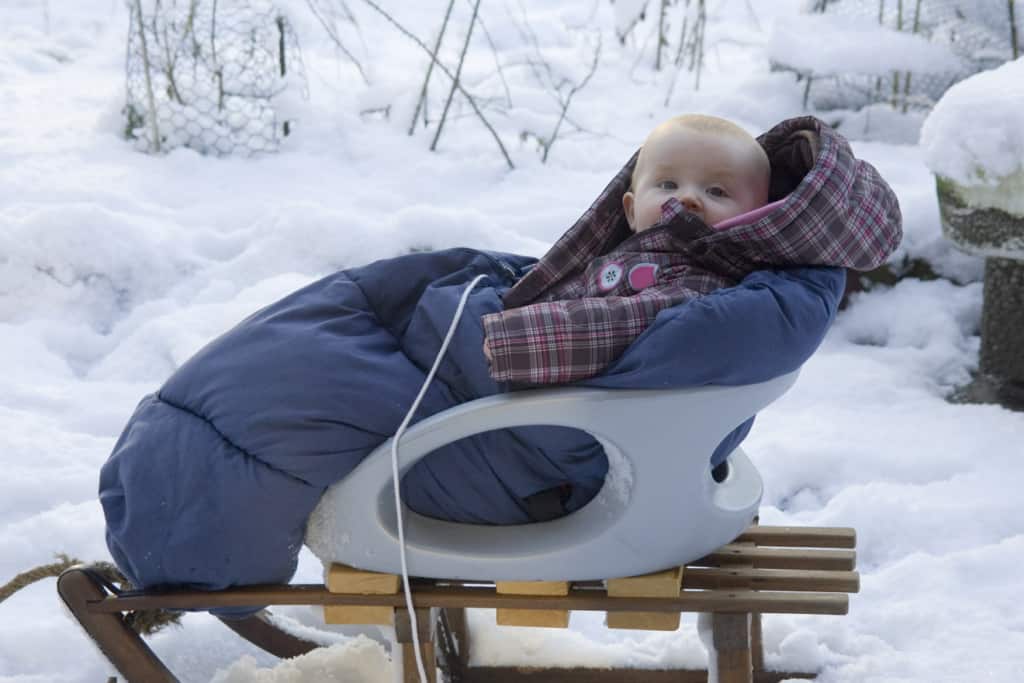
point(714, 167)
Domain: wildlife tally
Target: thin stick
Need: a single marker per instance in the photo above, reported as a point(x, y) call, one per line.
point(906, 81)
point(458, 73)
point(1014, 47)
point(699, 45)
point(663, 6)
point(632, 24)
point(753, 15)
point(430, 68)
point(568, 100)
point(336, 39)
point(878, 79)
point(149, 83)
point(679, 55)
point(896, 74)
point(497, 61)
point(444, 69)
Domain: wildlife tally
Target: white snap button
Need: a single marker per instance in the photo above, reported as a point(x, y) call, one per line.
point(609, 276)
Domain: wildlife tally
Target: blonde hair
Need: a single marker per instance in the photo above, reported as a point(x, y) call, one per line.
point(701, 123)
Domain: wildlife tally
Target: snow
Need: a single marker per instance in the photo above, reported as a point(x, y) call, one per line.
point(827, 44)
point(116, 266)
point(975, 145)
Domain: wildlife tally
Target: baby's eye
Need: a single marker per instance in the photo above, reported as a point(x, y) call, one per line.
point(718, 192)
point(668, 185)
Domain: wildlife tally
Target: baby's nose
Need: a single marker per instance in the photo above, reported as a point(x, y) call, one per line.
point(691, 203)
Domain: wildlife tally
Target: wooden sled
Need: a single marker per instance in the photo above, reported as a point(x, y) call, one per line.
point(766, 570)
point(664, 508)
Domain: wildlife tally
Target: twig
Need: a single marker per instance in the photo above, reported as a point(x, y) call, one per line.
point(213, 32)
point(677, 62)
point(568, 100)
point(698, 40)
point(332, 34)
point(149, 82)
point(896, 74)
point(1014, 47)
point(170, 66)
point(753, 15)
point(906, 82)
point(527, 33)
point(430, 68)
point(444, 69)
point(632, 24)
point(662, 8)
point(458, 73)
point(497, 61)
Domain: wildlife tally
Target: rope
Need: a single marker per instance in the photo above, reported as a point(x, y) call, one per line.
point(146, 622)
point(38, 574)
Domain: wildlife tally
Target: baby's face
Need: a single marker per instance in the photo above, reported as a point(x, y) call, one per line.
point(715, 176)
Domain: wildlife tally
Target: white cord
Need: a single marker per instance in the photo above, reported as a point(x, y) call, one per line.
point(394, 476)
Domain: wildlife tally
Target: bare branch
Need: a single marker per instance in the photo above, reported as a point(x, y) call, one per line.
point(662, 42)
point(335, 38)
point(497, 61)
point(430, 68)
point(624, 33)
point(1014, 47)
point(458, 72)
point(472, 102)
point(568, 100)
point(698, 42)
point(148, 65)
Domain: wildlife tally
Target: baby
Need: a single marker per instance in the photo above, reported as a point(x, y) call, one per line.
point(711, 166)
point(703, 167)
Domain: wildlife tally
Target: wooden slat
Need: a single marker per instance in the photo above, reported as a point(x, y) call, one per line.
point(731, 637)
point(519, 674)
point(453, 643)
point(359, 614)
point(664, 584)
point(772, 579)
point(800, 537)
point(404, 636)
point(532, 587)
point(538, 618)
point(738, 600)
point(344, 579)
point(780, 558)
point(348, 580)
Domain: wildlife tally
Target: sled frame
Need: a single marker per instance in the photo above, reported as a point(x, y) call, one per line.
point(782, 570)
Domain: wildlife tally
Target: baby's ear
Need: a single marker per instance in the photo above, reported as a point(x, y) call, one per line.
point(627, 208)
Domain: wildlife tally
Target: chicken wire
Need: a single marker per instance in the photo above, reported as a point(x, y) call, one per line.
point(977, 33)
point(218, 77)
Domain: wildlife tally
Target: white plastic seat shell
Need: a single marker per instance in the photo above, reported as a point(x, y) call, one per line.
point(659, 506)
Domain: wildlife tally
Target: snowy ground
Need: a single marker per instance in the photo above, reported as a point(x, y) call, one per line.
point(116, 266)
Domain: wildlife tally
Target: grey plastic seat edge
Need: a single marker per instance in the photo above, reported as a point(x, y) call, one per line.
point(659, 506)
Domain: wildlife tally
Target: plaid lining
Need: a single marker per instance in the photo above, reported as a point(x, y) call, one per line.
point(563, 323)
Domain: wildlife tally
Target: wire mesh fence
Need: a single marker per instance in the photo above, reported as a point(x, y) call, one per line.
point(217, 76)
point(981, 34)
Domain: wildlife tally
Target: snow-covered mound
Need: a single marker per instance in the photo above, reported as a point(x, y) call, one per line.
point(975, 134)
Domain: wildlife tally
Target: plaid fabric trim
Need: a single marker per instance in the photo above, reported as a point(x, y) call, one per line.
point(601, 227)
point(841, 214)
point(563, 341)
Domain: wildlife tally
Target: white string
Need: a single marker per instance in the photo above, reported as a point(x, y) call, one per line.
point(394, 476)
